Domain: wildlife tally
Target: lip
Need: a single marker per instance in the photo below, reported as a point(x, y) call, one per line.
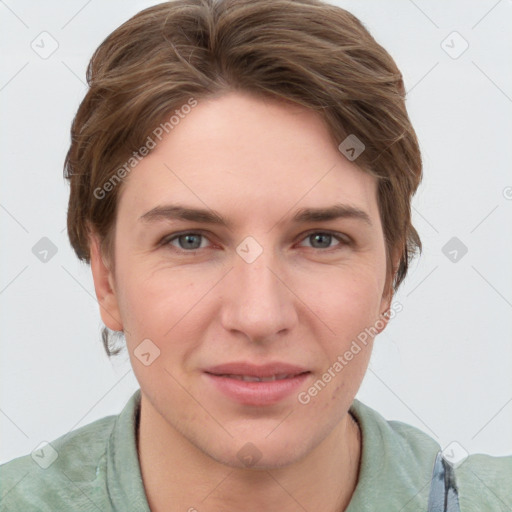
point(256, 393)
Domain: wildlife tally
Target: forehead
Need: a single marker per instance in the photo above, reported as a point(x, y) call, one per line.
point(255, 156)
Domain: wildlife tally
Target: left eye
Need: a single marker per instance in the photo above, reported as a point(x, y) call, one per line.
point(321, 240)
point(189, 242)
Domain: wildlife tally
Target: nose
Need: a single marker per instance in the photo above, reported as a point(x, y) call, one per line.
point(257, 299)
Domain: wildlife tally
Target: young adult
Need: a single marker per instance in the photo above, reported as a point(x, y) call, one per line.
point(241, 179)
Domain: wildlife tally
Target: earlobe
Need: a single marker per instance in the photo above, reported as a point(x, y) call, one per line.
point(103, 280)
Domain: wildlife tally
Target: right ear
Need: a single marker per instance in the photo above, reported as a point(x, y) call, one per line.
point(104, 287)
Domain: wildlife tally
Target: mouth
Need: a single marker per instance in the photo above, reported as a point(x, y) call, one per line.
point(250, 384)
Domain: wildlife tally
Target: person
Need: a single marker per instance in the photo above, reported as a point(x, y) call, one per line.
point(241, 175)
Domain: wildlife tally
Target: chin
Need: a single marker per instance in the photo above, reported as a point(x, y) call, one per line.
point(252, 458)
point(260, 450)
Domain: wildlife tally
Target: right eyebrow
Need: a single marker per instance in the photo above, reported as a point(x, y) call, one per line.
point(170, 212)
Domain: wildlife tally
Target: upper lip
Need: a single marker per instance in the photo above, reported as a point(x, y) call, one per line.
point(264, 370)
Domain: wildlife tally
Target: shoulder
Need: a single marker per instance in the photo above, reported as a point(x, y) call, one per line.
point(485, 483)
point(401, 457)
point(69, 469)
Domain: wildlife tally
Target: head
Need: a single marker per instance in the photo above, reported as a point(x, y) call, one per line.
point(242, 109)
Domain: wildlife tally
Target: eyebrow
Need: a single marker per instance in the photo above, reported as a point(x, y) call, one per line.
point(206, 216)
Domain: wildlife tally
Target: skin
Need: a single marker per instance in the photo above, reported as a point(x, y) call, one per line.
point(302, 301)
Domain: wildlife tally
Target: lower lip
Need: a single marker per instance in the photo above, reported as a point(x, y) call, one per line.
point(257, 393)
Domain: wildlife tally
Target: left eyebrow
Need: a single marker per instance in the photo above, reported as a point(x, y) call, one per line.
point(338, 211)
point(302, 216)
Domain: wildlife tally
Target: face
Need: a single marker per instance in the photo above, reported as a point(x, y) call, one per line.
point(276, 277)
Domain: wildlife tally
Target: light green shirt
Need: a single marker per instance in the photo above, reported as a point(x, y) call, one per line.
point(97, 469)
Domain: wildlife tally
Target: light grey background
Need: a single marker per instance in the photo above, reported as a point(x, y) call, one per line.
point(444, 364)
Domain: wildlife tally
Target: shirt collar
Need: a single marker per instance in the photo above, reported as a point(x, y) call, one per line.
point(392, 471)
point(396, 464)
point(124, 479)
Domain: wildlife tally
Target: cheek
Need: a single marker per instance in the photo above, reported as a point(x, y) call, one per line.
point(359, 296)
point(351, 308)
point(348, 303)
point(159, 303)
point(347, 298)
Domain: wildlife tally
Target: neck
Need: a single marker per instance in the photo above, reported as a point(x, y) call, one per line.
point(178, 476)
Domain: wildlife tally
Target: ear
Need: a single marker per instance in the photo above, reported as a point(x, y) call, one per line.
point(388, 292)
point(104, 287)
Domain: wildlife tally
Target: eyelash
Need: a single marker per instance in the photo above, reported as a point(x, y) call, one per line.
point(344, 241)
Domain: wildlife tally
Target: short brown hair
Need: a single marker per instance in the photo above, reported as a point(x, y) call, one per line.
point(305, 51)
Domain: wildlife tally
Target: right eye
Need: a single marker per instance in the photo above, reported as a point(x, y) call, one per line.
point(188, 241)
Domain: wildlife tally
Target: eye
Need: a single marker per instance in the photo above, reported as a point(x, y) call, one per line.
point(186, 242)
point(323, 240)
